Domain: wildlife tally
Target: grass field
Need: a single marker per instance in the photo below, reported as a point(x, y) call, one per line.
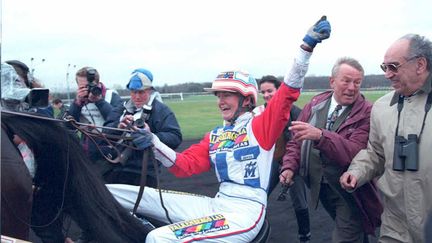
point(199, 114)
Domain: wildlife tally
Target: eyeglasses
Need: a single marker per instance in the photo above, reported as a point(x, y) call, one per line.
point(393, 67)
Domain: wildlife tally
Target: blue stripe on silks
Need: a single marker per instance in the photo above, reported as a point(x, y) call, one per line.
point(222, 166)
point(247, 153)
point(228, 127)
point(253, 182)
point(248, 156)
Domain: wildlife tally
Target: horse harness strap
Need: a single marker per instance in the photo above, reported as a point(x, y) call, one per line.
point(143, 180)
point(146, 154)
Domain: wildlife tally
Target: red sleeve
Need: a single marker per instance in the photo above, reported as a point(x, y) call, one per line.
point(193, 160)
point(343, 146)
point(269, 125)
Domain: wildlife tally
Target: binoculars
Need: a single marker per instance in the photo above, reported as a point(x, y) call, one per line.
point(405, 154)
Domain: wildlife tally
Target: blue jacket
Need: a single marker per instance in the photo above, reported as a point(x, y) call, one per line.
point(162, 123)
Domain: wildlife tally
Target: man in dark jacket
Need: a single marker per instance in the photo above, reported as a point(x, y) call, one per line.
point(332, 128)
point(145, 111)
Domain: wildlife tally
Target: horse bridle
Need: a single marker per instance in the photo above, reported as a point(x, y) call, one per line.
point(92, 133)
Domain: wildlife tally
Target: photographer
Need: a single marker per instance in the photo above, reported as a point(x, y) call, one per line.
point(398, 151)
point(24, 74)
point(92, 104)
point(13, 93)
point(143, 110)
point(36, 99)
point(18, 162)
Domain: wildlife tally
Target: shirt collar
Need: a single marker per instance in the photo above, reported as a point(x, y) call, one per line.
point(333, 104)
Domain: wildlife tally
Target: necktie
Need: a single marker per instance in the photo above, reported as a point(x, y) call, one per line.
point(334, 115)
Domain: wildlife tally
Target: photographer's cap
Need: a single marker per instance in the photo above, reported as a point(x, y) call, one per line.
point(16, 63)
point(140, 79)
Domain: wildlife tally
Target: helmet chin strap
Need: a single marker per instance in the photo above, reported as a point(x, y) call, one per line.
point(240, 108)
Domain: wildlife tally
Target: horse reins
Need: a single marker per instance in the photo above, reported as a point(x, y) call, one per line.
point(109, 138)
point(88, 130)
point(7, 130)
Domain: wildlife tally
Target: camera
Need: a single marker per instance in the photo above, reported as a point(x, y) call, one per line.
point(139, 120)
point(139, 123)
point(141, 117)
point(405, 154)
point(38, 98)
point(92, 85)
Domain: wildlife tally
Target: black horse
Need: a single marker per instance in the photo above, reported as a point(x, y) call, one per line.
point(63, 182)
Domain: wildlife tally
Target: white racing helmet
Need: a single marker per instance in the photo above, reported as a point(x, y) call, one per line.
point(237, 82)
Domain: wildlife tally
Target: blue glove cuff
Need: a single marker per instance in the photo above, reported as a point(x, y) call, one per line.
point(310, 41)
point(142, 139)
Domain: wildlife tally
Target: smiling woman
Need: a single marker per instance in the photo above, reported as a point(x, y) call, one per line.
point(236, 93)
point(228, 104)
point(241, 150)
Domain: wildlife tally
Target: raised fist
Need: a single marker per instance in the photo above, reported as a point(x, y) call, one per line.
point(318, 32)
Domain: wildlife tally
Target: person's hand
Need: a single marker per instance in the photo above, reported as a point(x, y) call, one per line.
point(142, 139)
point(318, 32)
point(68, 240)
point(304, 131)
point(286, 177)
point(348, 181)
point(82, 95)
point(126, 122)
point(17, 139)
point(146, 127)
point(82, 92)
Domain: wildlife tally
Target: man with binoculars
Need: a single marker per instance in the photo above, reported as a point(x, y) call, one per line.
point(398, 152)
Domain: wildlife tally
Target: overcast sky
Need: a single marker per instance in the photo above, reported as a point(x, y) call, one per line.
point(193, 40)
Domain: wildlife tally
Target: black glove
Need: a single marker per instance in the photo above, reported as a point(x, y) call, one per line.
point(142, 139)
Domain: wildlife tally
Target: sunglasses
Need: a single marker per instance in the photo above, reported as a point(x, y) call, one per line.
point(394, 67)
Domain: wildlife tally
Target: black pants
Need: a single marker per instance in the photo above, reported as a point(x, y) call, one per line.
point(348, 222)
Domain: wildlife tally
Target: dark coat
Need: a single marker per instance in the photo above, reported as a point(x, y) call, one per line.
point(104, 106)
point(286, 135)
point(162, 123)
point(105, 109)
